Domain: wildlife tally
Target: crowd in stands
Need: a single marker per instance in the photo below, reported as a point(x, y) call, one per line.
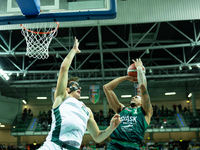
point(44, 121)
point(26, 114)
point(165, 145)
point(162, 117)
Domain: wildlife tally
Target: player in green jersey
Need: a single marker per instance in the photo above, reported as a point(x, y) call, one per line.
point(135, 118)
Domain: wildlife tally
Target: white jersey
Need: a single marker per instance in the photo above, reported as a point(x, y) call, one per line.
point(69, 122)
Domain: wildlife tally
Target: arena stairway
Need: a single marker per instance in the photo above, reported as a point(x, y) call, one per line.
point(181, 120)
point(33, 124)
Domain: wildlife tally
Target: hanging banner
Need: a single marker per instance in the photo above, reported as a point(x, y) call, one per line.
point(94, 93)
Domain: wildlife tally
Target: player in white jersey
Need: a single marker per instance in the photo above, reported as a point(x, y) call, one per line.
point(70, 117)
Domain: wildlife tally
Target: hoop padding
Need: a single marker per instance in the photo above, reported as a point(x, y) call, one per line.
point(38, 36)
point(29, 7)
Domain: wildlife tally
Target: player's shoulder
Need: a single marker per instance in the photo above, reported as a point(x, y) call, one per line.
point(90, 111)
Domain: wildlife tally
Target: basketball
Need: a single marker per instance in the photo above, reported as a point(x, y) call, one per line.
point(132, 70)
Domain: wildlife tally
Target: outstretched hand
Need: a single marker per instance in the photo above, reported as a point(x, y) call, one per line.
point(76, 44)
point(138, 63)
point(115, 121)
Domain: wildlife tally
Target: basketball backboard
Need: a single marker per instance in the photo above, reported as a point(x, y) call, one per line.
point(58, 10)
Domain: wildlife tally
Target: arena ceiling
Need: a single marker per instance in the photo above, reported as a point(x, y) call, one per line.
point(170, 52)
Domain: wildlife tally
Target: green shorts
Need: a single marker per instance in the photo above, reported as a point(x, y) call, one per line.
point(120, 145)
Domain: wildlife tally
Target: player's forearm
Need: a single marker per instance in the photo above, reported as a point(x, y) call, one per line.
point(146, 102)
point(141, 77)
point(112, 84)
point(103, 134)
point(68, 60)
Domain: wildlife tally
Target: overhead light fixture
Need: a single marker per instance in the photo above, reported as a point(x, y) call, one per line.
point(4, 75)
point(2, 126)
point(180, 68)
point(150, 70)
point(126, 96)
point(24, 101)
point(147, 51)
point(198, 65)
point(170, 93)
point(187, 102)
point(24, 75)
point(41, 97)
point(190, 68)
point(84, 97)
point(189, 95)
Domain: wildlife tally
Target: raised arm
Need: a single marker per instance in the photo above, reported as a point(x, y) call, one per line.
point(63, 74)
point(145, 98)
point(110, 95)
point(140, 73)
point(94, 131)
point(146, 103)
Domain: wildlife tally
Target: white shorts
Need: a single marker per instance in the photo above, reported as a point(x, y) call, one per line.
point(48, 145)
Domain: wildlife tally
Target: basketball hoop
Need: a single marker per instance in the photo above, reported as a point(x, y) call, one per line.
point(38, 37)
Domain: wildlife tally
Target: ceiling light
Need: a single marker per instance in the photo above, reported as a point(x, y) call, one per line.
point(189, 95)
point(24, 75)
point(190, 68)
point(198, 65)
point(2, 126)
point(4, 75)
point(147, 51)
point(41, 97)
point(126, 96)
point(187, 102)
point(180, 68)
point(150, 70)
point(170, 93)
point(84, 97)
point(24, 101)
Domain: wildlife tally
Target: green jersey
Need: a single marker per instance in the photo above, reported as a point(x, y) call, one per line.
point(132, 127)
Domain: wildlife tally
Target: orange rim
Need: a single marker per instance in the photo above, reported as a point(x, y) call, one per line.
point(41, 32)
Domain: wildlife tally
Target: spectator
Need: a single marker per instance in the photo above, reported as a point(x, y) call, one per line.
point(84, 147)
point(101, 117)
point(29, 111)
point(171, 146)
point(25, 110)
point(174, 107)
point(162, 109)
point(109, 117)
point(157, 119)
point(180, 108)
point(166, 112)
point(164, 120)
point(88, 147)
point(185, 109)
point(155, 110)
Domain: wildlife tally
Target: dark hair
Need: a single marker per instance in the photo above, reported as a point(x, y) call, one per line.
point(73, 79)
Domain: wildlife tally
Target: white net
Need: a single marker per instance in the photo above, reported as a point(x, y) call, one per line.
point(38, 36)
